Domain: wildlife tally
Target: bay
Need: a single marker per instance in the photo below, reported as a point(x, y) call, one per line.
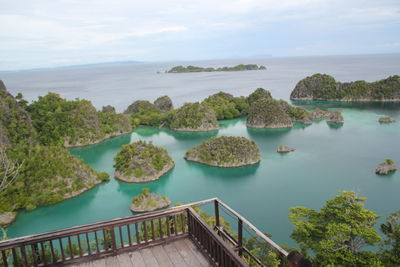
point(326, 161)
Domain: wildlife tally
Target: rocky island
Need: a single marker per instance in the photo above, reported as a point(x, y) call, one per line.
point(319, 114)
point(325, 87)
point(141, 162)
point(285, 149)
point(34, 173)
point(226, 152)
point(386, 167)
point(147, 201)
point(335, 117)
point(164, 103)
point(268, 113)
point(240, 67)
point(194, 117)
point(386, 119)
point(226, 106)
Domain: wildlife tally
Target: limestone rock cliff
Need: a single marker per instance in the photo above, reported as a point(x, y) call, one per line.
point(268, 113)
point(194, 117)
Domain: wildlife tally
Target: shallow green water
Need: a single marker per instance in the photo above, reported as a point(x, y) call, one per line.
point(326, 160)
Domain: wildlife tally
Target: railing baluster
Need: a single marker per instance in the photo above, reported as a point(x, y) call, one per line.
point(88, 243)
point(34, 250)
point(240, 236)
point(137, 233)
point(183, 223)
point(120, 236)
point(71, 254)
point(53, 255)
point(4, 256)
point(62, 249)
point(24, 257)
point(175, 225)
point(160, 225)
point(168, 229)
point(129, 234)
point(43, 253)
point(15, 258)
point(153, 233)
point(80, 246)
point(145, 231)
point(97, 242)
point(216, 210)
point(105, 241)
point(113, 240)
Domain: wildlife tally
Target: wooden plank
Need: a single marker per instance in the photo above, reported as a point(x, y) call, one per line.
point(100, 263)
point(174, 255)
point(112, 261)
point(124, 260)
point(149, 258)
point(161, 256)
point(186, 254)
point(137, 259)
point(202, 259)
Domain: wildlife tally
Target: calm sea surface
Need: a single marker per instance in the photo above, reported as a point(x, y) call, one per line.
point(326, 161)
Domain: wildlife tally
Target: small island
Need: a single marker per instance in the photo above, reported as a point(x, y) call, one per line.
point(194, 117)
point(147, 201)
point(240, 67)
point(386, 119)
point(318, 114)
point(7, 218)
point(141, 162)
point(164, 103)
point(268, 113)
point(225, 152)
point(325, 87)
point(335, 117)
point(386, 167)
point(285, 149)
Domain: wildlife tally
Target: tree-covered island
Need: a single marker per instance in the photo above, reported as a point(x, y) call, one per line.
point(141, 162)
point(325, 87)
point(226, 152)
point(35, 168)
point(147, 201)
point(240, 67)
point(194, 117)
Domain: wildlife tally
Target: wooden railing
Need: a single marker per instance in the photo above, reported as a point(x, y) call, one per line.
point(101, 239)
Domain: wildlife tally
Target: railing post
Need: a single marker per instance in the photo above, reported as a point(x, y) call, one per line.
point(216, 210)
point(240, 236)
point(113, 241)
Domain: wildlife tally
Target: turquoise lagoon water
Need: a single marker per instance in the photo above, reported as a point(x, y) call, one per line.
point(328, 159)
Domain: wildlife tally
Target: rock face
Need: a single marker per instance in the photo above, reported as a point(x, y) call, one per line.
point(386, 119)
point(138, 105)
point(7, 218)
point(164, 103)
point(268, 113)
point(284, 149)
point(319, 114)
point(226, 152)
point(194, 117)
point(335, 117)
point(108, 109)
point(386, 167)
point(141, 162)
point(325, 87)
point(147, 201)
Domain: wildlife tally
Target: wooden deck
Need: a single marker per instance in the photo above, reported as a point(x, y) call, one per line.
point(178, 253)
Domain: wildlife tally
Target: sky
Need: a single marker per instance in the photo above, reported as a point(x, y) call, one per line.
point(49, 33)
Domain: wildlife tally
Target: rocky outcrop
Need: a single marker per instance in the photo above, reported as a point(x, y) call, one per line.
point(164, 103)
point(108, 109)
point(325, 87)
point(386, 167)
point(268, 113)
point(319, 114)
point(226, 152)
point(141, 162)
point(285, 149)
point(7, 218)
point(335, 117)
point(138, 105)
point(386, 119)
point(147, 201)
point(258, 94)
point(194, 117)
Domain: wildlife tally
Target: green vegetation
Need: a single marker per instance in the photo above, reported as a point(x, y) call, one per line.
point(390, 251)
point(141, 162)
point(194, 117)
point(240, 67)
point(72, 123)
point(46, 174)
point(325, 87)
point(258, 94)
point(389, 161)
point(226, 106)
point(269, 113)
point(164, 103)
point(225, 151)
point(337, 233)
point(147, 201)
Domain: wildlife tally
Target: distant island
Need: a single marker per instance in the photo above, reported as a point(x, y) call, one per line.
point(147, 201)
point(325, 87)
point(240, 67)
point(226, 152)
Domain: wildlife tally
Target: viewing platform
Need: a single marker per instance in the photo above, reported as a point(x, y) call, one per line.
point(179, 236)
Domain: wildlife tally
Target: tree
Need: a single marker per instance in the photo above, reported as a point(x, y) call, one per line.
point(391, 250)
point(9, 170)
point(338, 232)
